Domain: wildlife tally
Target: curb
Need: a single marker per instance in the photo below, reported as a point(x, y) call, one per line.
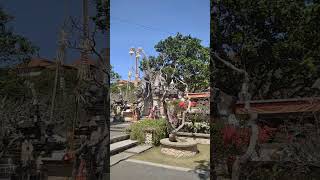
point(160, 165)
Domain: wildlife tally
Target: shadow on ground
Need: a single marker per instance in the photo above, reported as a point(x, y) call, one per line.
point(202, 169)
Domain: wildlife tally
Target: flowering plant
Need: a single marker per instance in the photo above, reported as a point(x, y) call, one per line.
point(240, 137)
point(237, 139)
point(184, 105)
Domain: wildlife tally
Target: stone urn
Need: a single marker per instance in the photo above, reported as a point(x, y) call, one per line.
point(173, 137)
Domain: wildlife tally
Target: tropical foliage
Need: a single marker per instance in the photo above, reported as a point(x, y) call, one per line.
point(14, 48)
point(182, 58)
point(276, 42)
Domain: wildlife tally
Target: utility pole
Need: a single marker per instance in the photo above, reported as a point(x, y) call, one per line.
point(60, 59)
point(62, 49)
point(84, 71)
point(137, 53)
point(128, 83)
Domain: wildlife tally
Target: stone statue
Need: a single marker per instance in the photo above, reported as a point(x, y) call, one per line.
point(144, 92)
point(118, 107)
point(157, 84)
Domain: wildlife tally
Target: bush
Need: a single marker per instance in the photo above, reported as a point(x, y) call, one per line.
point(196, 127)
point(159, 125)
point(197, 123)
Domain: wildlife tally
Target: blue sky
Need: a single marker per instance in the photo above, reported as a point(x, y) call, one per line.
point(40, 22)
point(143, 23)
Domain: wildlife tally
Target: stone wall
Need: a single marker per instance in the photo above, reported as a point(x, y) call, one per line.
point(199, 140)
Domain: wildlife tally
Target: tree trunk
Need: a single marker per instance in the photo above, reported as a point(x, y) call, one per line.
point(165, 109)
point(236, 168)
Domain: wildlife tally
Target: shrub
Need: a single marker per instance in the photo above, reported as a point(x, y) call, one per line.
point(197, 127)
point(160, 130)
point(197, 123)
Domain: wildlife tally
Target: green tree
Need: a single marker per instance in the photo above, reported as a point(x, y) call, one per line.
point(184, 58)
point(114, 76)
point(102, 16)
point(13, 47)
point(276, 42)
point(11, 85)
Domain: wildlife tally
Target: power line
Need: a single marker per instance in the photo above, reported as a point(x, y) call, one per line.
point(142, 26)
point(148, 27)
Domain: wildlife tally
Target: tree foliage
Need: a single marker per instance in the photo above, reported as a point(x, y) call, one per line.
point(11, 85)
point(13, 47)
point(16, 97)
point(184, 58)
point(114, 75)
point(276, 42)
point(102, 15)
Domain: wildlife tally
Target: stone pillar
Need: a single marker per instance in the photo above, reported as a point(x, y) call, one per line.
point(149, 136)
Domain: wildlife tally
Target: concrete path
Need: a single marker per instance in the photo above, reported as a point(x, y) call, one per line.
point(137, 171)
point(128, 153)
point(119, 157)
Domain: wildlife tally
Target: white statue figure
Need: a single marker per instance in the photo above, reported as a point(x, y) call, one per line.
point(26, 152)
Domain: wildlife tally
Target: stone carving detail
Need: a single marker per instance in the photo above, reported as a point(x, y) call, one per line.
point(149, 139)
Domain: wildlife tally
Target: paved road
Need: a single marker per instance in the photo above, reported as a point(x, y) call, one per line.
point(135, 171)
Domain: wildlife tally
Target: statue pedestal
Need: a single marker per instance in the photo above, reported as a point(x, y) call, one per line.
point(181, 148)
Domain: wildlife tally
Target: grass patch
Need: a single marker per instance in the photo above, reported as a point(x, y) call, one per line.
point(154, 155)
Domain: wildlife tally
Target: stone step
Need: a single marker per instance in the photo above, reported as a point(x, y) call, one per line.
point(122, 146)
point(138, 149)
point(119, 138)
point(120, 125)
point(118, 129)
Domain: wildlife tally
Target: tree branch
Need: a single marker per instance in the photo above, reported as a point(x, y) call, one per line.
point(252, 121)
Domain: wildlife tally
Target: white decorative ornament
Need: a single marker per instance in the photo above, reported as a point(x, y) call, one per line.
point(131, 52)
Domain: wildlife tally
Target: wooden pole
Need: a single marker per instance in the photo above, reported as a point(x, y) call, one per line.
point(54, 91)
point(85, 41)
point(59, 61)
point(136, 78)
point(85, 19)
point(62, 60)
